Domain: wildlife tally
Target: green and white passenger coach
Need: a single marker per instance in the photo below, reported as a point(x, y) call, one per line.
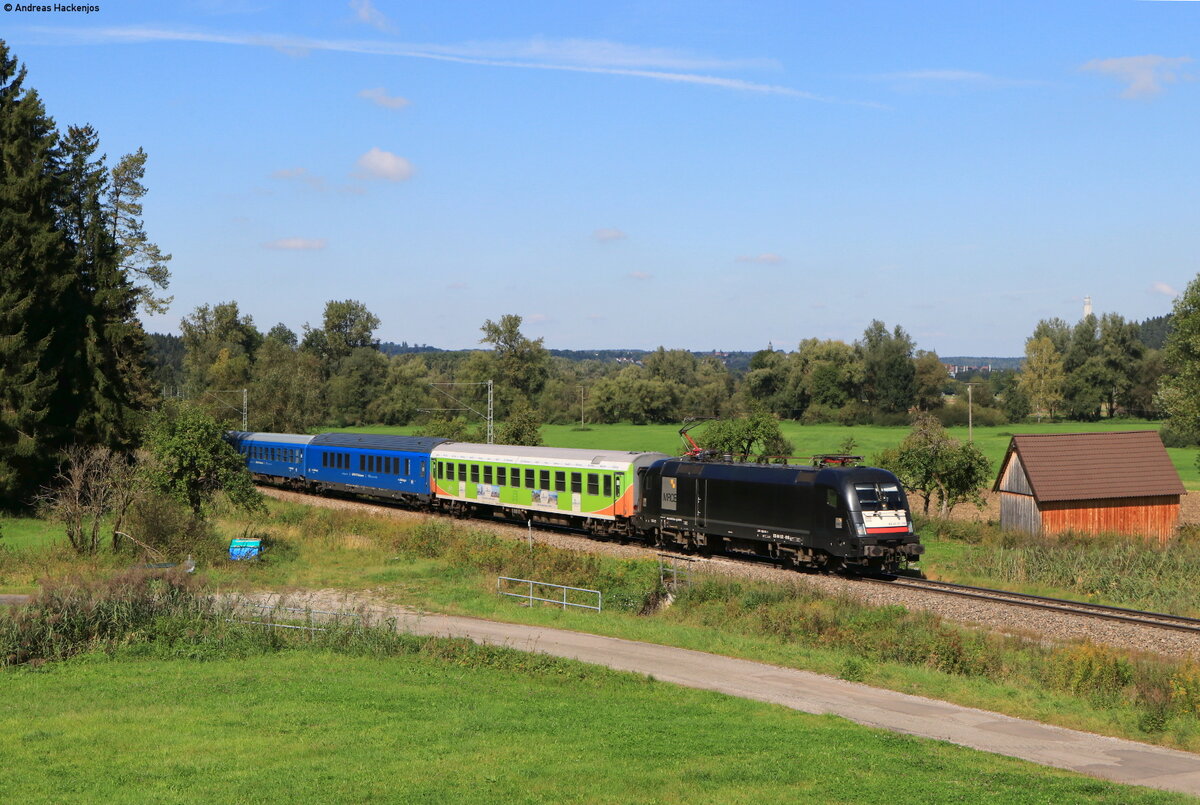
point(592, 489)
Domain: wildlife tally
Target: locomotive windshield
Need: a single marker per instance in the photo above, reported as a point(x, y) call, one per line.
point(876, 497)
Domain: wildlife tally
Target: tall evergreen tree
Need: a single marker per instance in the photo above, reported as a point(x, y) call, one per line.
point(38, 293)
point(136, 254)
point(113, 355)
point(72, 352)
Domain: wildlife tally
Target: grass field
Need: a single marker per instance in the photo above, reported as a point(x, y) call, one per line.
point(312, 726)
point(815, 439)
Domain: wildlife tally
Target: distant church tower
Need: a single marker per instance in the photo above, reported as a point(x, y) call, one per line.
point(1087, 306)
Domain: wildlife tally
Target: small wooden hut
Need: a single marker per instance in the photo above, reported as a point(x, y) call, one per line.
point(1121, 482)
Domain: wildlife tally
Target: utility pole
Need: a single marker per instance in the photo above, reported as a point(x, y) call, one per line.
point(970, 414)
point(489, 417)
point(581, 406)
point(245, 409)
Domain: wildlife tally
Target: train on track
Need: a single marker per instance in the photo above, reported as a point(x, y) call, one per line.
point(824, 516)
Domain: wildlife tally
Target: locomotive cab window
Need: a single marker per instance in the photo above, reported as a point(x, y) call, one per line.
point(874, 497)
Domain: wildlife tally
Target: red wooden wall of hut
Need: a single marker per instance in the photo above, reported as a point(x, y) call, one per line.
point(1120, 482)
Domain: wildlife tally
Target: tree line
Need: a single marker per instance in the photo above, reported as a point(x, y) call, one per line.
point(336, 373)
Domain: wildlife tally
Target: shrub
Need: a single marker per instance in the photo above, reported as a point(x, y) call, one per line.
point(1091, 670)
point(170, 528)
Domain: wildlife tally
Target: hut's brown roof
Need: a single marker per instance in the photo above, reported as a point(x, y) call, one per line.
point(1090, 466)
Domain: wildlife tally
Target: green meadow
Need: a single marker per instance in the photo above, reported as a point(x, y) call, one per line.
point(456, 724)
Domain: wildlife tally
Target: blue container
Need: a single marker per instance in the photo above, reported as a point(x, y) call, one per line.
point(245, 548)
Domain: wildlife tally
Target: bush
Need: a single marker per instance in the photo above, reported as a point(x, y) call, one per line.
point(170, 528)
point(1094, 671)
point(957, 414)
point(1173, 435)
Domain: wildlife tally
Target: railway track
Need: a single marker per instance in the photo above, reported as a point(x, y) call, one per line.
point(1157, 620)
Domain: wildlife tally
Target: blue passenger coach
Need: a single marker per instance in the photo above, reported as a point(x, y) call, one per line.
point(272, 455)
point(371, 464)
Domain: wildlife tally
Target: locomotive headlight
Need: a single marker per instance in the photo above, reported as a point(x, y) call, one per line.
point(860, 529)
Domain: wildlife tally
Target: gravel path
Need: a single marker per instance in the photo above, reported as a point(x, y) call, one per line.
point(1048, 627)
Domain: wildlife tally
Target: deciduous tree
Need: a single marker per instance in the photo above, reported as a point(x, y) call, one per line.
point(937, 467)
point(191, 462)
point(1179, 387)
point(755, 436)
point(1042, 377)
point(889, 378)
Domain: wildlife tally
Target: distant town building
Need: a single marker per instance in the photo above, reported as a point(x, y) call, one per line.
point(957, 370)
point(1120, 482)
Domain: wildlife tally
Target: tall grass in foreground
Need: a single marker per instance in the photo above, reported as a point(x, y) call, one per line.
point(1112, 568)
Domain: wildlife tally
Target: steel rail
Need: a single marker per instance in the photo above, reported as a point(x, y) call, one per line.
point(1157, 620)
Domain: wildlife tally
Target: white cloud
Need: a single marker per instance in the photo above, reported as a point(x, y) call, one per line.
point(597, 53)
point(300, 175)
point(955, 78)
point(365, 11)
point(537, 318)
point(379, 97)
point(1163, 288)
point(297, 244)
point(639, 275)
point(767, 258)
point(1143, 76)
point(584, 60)
point(380, 164)
point(608, 234)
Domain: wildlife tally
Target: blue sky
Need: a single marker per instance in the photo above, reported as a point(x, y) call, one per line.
point(709, 175)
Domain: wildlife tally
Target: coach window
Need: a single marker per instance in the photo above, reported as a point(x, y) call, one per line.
point(487, 474)
point(560, 482)
point(577, 482)
point(345, 461)
point(474, 473)
point(544, 478)
point(462, 471)
point(502, 476)
point(608, 486)
point(593, 484)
